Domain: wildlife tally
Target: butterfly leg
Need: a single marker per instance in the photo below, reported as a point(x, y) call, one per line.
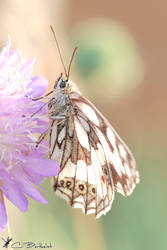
point(42, 97)
point(41, 137)
point(39, 109)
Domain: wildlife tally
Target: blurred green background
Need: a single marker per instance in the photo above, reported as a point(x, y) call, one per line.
point(121, 67)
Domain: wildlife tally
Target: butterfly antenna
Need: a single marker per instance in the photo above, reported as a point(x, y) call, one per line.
point(72, 57)
point(61, 58)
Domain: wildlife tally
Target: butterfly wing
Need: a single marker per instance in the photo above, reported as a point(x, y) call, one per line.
point(93, 159)
point(120, 160)
point(81, 181)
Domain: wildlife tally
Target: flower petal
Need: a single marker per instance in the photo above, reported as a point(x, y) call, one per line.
point(3, 216)
point(5, 51)
point(2, 166)
point(12, 193)
point(44, 167)
point(26, 187)
point(26, 69)
point(34, 178)
point(37, 87)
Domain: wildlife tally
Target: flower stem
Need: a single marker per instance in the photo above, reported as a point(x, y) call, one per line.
point(8, 227)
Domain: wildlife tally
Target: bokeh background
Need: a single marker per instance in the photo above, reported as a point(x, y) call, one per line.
point(121, 66)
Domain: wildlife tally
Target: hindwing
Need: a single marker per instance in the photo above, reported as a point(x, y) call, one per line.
point(94, 161)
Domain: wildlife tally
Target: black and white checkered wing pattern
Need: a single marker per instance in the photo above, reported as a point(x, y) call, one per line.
point(120, 159)
point(81, 180)
point(93, 159)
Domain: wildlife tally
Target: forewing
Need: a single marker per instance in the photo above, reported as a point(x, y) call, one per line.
point(118, 157)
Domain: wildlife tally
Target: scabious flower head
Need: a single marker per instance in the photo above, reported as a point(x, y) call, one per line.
point(22, 164)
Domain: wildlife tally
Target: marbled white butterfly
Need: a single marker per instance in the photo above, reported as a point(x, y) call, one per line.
point(94, 161)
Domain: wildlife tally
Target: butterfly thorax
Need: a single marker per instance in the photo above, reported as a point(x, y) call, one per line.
point(60, 105)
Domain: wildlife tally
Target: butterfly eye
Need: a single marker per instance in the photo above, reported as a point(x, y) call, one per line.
point(63, 84)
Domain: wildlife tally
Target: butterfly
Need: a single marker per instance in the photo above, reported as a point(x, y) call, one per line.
point(94, 161)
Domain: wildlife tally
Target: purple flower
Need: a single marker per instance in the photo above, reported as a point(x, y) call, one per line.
point(22, 164)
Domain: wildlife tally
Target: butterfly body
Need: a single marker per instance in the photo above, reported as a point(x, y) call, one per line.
point(94, 161)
